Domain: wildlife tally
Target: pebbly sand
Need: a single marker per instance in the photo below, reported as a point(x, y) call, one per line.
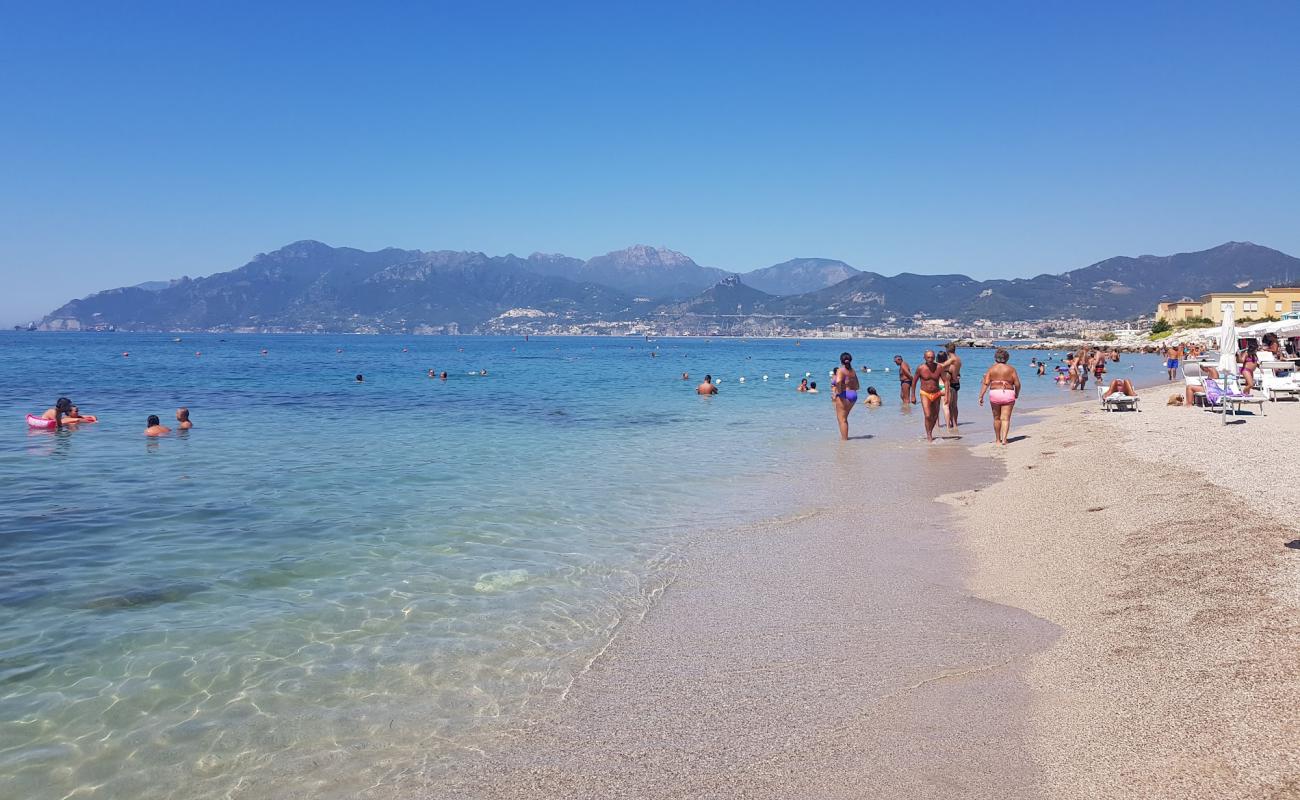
point(1104, 609)
point(1156, 541)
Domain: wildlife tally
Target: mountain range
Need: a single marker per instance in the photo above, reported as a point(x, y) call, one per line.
point(310, 286)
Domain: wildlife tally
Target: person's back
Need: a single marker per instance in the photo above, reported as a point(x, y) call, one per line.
point(154, 427)
point(707, 386)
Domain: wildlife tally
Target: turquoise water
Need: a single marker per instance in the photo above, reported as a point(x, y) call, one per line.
point(327, 584)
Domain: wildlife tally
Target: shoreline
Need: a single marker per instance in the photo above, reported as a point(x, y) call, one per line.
point(1145, 538)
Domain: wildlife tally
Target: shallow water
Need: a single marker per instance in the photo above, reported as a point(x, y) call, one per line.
point(327, 583)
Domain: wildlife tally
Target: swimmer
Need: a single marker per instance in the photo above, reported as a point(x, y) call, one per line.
point(1002, 383)
point(183, 419)
point(155, 427)
point(686, 376)
point(844, 392)
point(432, 374)
point(361, 378)
point(442, 376)
point(75, 415)
point(60, 413)
point(873, 399)
point(482, 373)
point(803, 385)
point(707, 388)
point(812, 388)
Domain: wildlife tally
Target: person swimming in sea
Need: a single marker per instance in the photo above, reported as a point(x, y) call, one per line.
point(154, 427)
point(803, 385)
point(844, 392)
point(707, 387)
point(62, 413)
point(76, 416)
point(442, 376)
point(183, 419)
point(873, 399)
point(812, 388)
point(361, 378)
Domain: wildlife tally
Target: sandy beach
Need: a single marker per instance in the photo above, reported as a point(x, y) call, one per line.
point(1104, 609)
point(1156, 541)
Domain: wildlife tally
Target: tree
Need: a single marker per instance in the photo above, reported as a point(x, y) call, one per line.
point(1161, 326)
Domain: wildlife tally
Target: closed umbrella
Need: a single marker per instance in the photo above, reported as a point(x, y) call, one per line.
point(1227, 359)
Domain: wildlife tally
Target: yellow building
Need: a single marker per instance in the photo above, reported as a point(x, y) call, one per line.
point(1238, 305)
point(1177, 310)
point(1281, 300)
point(1272, 302)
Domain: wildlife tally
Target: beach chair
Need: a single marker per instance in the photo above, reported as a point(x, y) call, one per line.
point(1117, 402)
point(1273, 384)
point(1194, 377)
point(1216, 397)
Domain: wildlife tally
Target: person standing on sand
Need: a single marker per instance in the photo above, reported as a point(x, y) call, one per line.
point(954, 382)
point(707, 388)
point(1002, 383)
point(844, 392)
point(928, 376)
point(904, 381)
point(1173, 355)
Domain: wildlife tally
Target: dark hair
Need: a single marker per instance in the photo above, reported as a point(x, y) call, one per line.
point(63, 405)
point(812, 385)
point(360, 377)
point(1002, 356)
point(152, 421)
point(708, 379)
point(871, 390)
point(942, 356)
point(847, 360)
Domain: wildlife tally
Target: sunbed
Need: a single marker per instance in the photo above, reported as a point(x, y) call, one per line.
point(1194, 378)
point(1117, 401)
point(1216, 397)
point(1273, 384)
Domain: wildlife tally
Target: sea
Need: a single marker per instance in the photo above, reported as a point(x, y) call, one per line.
point(330, 583)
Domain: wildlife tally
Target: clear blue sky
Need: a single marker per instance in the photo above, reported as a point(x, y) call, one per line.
point(143, 141)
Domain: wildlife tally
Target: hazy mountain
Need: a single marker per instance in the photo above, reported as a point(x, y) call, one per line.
point(653, 272)
point(727, 296)
point(799, 276)
point(311, 286)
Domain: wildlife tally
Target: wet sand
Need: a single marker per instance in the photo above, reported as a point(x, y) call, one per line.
point(836, 654)
point(1156, 541)
point(1085, 614)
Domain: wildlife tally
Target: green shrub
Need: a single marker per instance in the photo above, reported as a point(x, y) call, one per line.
point(1161, 326)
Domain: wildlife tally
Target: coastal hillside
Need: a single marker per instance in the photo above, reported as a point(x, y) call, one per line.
point(799, 276)
point(310, 286)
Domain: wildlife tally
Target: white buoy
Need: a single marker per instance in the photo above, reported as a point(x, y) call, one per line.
point(886, 369)
point(807, 374)
point(868, 369)
point(742, 380)
point(764, 377)
point(787, 376)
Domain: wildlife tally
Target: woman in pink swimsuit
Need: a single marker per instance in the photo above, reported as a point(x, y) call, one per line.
point(1002, 384)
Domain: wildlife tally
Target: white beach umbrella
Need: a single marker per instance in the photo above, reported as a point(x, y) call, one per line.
point(1228, 348)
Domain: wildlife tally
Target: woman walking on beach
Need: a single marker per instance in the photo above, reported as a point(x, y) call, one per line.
point(1002, 383)
point(844, 392)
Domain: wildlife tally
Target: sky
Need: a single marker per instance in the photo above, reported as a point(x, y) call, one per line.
point(144, 141)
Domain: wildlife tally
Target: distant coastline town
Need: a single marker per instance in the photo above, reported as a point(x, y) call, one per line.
point(309, 287)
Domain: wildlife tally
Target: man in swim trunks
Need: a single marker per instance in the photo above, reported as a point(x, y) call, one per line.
point(954, 381)
point(904, 381)
point(707, 388)
point(926, 385)
point(1173, 355)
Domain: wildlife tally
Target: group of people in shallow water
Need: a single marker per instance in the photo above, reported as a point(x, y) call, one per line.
point(65, 415)
point(935, 384)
